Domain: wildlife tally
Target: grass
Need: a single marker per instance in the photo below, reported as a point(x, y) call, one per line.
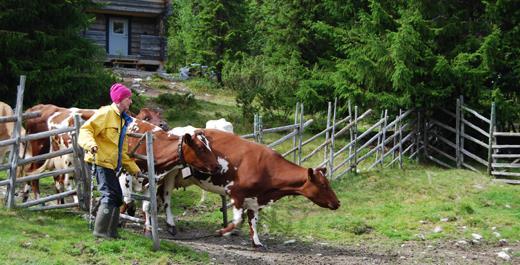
point(389, 207)
point(59, 237)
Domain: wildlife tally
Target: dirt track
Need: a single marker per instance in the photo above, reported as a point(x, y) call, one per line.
point(237, 250)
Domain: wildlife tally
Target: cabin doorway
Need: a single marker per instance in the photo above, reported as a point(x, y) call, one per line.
point(118, 36)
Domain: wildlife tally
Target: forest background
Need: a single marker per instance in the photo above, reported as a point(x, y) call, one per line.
point(378, 54)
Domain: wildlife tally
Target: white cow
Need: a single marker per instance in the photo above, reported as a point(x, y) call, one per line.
point(170, 180)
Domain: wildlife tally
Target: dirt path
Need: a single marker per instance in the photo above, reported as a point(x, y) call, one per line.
point(237, 250)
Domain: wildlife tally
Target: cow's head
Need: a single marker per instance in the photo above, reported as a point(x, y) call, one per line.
point(152, 116)
point(317, 189)
point(197, 153)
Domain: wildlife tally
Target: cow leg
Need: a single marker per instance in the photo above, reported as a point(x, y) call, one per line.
point(147, 217)
point(253, 232)
point(237, 219)
point(26, 190)
point(35, 185)
point(168, 186)
point(202, 197)
point(60, 187)
point(125, 181)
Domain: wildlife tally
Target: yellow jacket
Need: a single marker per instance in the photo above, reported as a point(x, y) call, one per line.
point(102, 130)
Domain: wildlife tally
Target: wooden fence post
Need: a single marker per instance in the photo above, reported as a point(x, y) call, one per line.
point(295, 128)
point(400, 124)
point(79, 170)
point(350, 130)
point(418, 134)
point(457, 134)
point(355, 129)
point(383, 136)
point(153, 189)
point(461, 146)
point(13, 157)
point(492, 121)
point(300, 135)
point(329, 112)
point(332, 139)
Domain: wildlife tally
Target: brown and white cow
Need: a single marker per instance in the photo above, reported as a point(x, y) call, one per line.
point(172, 152)
point(6, 129)
point(254, 175)
point(54, 117)
point(171, 180)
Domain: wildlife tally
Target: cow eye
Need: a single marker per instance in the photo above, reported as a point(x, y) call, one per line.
point(146, 119)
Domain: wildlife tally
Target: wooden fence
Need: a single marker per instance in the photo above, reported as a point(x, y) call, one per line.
point(466, 138)
point(388, 148)
point(81, 173)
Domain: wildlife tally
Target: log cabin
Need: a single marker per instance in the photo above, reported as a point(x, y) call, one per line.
point(132, 32)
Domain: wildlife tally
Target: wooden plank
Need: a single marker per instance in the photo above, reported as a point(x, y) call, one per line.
point(491, 138)
point(469, 167)
point(442, 125)
point(53, 207)
point(369, 130)
point(506, 155)
point(476, 128)
point(475, 113)
point(140, 197)
point(452, 158)
point(505, 165)
point(45, 174)
point(46, 134)
point(25, 116)
point(474, 157)
point(49, 198)
point(457, 136)
point(446, 141)
point(131, 218)
point(13, 156)
point(504, 173)
point(512, 134)
point(438, 161)
point(449, 112)
point(498, 146)
point(46, 156)
point(300, 135)
point(281, 128)
point(508, 181)
point(153, 190)
point(288, 136)
point(475, 140)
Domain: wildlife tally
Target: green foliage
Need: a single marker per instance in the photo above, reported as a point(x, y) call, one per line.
point(378, 54)
point(42, 40)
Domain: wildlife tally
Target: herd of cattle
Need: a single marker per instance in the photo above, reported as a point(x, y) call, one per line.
point(219, 161)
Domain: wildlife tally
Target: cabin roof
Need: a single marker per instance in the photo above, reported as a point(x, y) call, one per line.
point(131, 7)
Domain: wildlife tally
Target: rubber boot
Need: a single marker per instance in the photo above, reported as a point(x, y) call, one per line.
point(107, 218)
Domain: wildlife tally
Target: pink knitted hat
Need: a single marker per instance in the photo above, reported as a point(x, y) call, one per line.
point(118, 92)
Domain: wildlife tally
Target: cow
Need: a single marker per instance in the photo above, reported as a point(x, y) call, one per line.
point(6, 129)
point(172, 152)
point(254, 175)
point(54, 117)
point(172, 180)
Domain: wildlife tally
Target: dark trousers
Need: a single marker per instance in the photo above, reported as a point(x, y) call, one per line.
point(108, 185)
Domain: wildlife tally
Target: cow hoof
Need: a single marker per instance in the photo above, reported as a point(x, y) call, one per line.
point(260, 248)
point(172, 230)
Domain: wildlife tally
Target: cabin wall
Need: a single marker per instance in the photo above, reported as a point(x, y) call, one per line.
point(97, 32)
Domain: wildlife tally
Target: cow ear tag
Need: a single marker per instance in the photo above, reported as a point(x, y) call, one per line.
point(186, 172)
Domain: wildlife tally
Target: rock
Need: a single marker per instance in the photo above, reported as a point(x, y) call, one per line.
point(476, 236)
point(446, 219)
point(502, 242)
point(461, 242)
point(494, 228)
point(475, 242)
point(497, 234)
point(503, 256)
point(508, 206)
point(421, 236)
point(422, 222)
point(319, 254)
point(506, 249)
point(437, 229)
point(291, 241)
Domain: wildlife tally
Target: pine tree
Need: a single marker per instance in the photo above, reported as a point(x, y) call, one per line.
point(41, 39)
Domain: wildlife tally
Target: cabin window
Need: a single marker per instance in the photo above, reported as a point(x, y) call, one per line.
point(118, 27)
